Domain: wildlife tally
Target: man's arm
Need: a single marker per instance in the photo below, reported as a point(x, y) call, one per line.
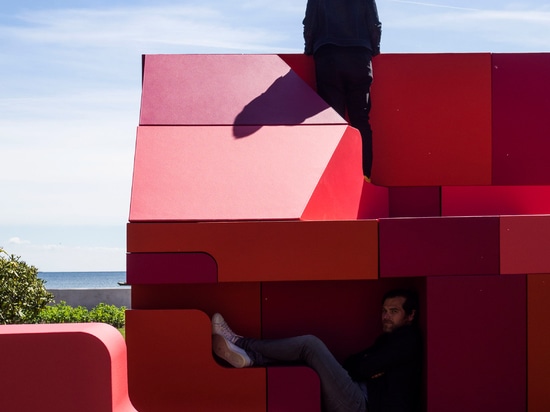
point(398, 349)
point(309, 26)
point(374, 27)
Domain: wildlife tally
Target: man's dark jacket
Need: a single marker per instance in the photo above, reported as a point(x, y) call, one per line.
point(342, 23)
point(392, 370)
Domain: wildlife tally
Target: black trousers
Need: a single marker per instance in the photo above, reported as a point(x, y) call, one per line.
point(344, 78)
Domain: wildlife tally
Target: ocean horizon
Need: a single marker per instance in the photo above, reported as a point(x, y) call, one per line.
point(83, 280)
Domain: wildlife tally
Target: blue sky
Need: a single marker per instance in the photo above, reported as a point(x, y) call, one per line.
point(70, 78)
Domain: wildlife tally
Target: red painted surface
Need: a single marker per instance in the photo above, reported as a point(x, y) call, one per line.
point(415, 201)
point(476, 346)
point(171, 366)
point(170, 268)
point(270, 251)
point(495, 200)
point(239, 303)
point(293, 389)
point(525, 244)
point(228, 90)
point(68, 367)
point(303, 65)
point(439, 246)
point(205, 173)
point(538, 343)
point(521, 131)
point(431, 119)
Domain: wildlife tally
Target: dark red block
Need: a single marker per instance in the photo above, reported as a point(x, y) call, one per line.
point(293, 389)
point(170, 268)
point(439, 246)
point(415, 201)
point(476, 344)
point(521, 130)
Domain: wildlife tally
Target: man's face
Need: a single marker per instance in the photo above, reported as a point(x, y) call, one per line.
point(393, 314)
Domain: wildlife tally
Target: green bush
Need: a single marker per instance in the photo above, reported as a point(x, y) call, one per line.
point(22, 294)
point(63, 313)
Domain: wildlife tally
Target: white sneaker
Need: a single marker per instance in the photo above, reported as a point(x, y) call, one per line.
point(220, 327)
point(230, 352)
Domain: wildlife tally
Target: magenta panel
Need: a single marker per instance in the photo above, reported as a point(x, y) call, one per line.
point(204, 173)
point(170, 268)
point(495, 200)
point(439, 246)
point(521, 130)
point(293, 389)
point(415, 201)
point(228, 90)
point(525, 244)
point(476, 340)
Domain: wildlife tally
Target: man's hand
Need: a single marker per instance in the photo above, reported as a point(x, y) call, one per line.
point(377, 375)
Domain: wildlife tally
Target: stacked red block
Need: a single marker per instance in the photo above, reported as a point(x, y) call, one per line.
point(248, 199)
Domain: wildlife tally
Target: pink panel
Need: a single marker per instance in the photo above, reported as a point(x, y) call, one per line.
point(415, 201)
point(439, 246)
point(431, 119)
point(170, 268)
point(204, 173)
point(476, 357)
point(495, 200)
point(67, 367)
point(293, 389)
point(227, 90)
point(525, 244)
point(521, 131)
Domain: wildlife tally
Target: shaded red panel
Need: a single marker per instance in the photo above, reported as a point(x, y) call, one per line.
point(431, 119)
point(495, 200)
point(476, 357)
point(439, 246)
point(161, 268)
point(206, 173)
point(269, 251)
point(303, 65)
point(344, 315)
point(227, 90)
point(415, 201)
point(70, 367)
point(521, 131)
point(524, 244)
point(538, 342)
point(239, 303)
point(293, 389)
point(171, 366)
point(374, 202)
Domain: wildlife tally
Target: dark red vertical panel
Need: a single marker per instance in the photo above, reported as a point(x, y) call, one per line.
point(476, 343)
point(521, 130)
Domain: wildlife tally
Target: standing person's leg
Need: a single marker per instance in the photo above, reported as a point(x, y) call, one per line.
point(329, 82)
point(358, 100)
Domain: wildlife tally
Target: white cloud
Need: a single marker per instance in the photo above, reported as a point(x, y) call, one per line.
point(18, 241)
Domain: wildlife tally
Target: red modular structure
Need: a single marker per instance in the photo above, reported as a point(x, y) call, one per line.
point(248, 199)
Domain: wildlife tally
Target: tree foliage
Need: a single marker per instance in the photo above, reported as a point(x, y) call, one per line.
point(22, 294)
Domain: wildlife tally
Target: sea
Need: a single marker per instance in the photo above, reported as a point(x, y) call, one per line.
point(83, 280)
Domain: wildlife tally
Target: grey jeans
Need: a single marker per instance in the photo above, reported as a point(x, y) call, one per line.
point(339, 392)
